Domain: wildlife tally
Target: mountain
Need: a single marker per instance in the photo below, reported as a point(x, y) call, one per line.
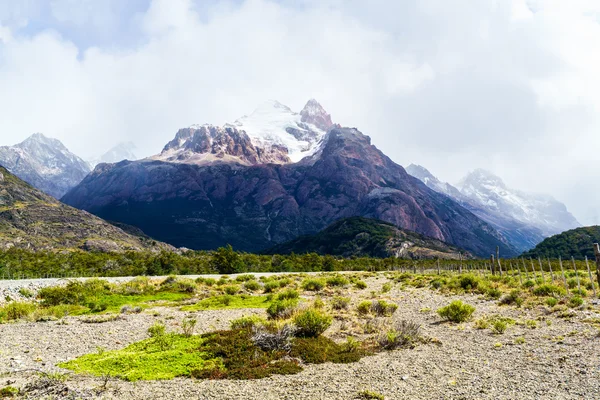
point(273, 133)
point(364, 237)
point(217, 185)
point(30, 219)
point(523, 219)
point(576, 243)
point(44, 163)
point(122, 151)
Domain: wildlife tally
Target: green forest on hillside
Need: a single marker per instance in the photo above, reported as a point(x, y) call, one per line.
point(577, 243)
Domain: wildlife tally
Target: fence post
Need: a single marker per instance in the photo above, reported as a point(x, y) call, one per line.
point(542, 270)
point(525, 268)
point(562, 270)
point(438, 265)
point(590, 275)
point(551, 273)
point(597, 253)
point(492, 265)
point(577, 275)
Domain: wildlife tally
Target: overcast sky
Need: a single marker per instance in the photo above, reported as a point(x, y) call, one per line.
point(511, 86)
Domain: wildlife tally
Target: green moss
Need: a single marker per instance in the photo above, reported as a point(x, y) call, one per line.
point(229, 302)
point(147, 360)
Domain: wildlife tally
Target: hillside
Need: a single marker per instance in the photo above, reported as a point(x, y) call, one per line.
point(30, 219)
point(576, 243)
point(365, 237)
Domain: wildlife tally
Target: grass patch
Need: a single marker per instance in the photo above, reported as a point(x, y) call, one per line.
point(229, 302)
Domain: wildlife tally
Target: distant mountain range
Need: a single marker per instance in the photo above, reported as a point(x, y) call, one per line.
point(268, 178)
point(120, 152)
point(364, 237)
point(44, 163)
point(30, 219)
point(524, 219)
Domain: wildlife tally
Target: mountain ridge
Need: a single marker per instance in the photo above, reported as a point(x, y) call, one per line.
point(256, 206)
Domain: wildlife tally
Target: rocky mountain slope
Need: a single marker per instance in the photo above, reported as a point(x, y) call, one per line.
point(30, 219)
point(523, 219)
point(239, 199)
point(577, 243)
point(364, 237)
point(120, 152)
point(44, 163)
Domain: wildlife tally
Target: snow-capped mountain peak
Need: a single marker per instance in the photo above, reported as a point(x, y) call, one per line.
point(272, 133)
point(275, 124)
point(122, 151)
point(44, 163)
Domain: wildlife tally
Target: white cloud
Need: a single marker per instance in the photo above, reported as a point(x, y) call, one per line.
point(507, 85)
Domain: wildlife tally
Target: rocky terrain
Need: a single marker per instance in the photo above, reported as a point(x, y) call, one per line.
point(218, 187)
point(364, 237)
point(541, 356)
point(524, 219)
point(30, 219)
point(44, 163)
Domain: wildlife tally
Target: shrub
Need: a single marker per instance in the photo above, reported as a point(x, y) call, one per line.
point(318, 303)
point(360, 285)
point(529, 283)
point(551, 301)
point(284, 282)
point(279, 340)
point(370, 395)
point(386, 287)
point(161, 338)
point(382, 308)
point(288, 294)
point(457, 311)
point(313, 285)
point(438, 283)
point(404, 334)
point(499, 327)
point(322, 349)
point(575, 302)
point(312, 323)
point(468, 282)
point(247, 322)
point(270, 286)
point(16, 310)
point(187, 326)
point(514, 297)
point(482, 323)
point(26, 292)
point(364, 308)
point(337, 280)
point(252, 286)
point(282, 309)
point(156, 330)
point(231, 289)
point(245, 278)
point(340, 303)
point(493, 292)
point(549, 290)
point(9, 391)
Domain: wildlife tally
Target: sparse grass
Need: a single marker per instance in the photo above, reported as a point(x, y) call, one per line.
point(370, 395)
point(229, 302)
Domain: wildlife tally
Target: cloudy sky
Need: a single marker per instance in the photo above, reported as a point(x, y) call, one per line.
point(512, 86)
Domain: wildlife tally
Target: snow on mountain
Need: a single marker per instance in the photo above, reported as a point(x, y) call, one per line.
point(523, 218)
point(273, 133)
point(45, 163)
point(541, 211)
point(120, 152)
point(275, 124)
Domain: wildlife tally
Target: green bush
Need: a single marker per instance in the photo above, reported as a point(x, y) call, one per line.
point(549, 290)
point(340, 303)
point(469, 282)
point(282, 309)
point(271, 286)
point(16, 310)
point(551, 301)
point(514, 297)
point(382, 308)
point(360, 285)
point(247, 322)
point(499, 327)
point(288, 294)
point(231, 289)
point(313, 285)
point(252, 286)
point(457, 311)
point(364, 308)
point(9, 391)
point(386, 287)
point(245, 278)
point(311, 323)
point(337, 280)
point(575, 301)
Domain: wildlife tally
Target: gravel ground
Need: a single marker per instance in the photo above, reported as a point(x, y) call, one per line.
point(559, 360)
